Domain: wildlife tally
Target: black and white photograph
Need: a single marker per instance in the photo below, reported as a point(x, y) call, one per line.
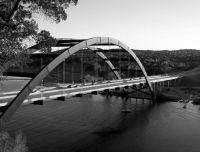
point(99, 76)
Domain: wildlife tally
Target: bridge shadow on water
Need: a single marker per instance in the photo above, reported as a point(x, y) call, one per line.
point(133, 118)
point(133, 115)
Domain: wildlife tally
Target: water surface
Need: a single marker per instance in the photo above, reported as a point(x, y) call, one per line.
point(105, 124)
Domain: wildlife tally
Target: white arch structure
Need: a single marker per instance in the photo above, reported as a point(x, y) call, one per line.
point(12, 107)
point(102, 56)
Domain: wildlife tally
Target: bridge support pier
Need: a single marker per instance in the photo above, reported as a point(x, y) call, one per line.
point(117, 89)
point(168, 83)
point(94, 92)
point(79, 95)
point(106, 91)
point(62, 98)
point(126, 87)
point(38, 102)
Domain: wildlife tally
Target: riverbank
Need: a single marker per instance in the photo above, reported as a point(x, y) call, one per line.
point(187, 89)
point(182, 94)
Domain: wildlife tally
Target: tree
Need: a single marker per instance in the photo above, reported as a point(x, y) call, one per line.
point(18, 27)
point(11, 144)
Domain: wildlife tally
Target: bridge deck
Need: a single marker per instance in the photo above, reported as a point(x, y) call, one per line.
point(55, 92)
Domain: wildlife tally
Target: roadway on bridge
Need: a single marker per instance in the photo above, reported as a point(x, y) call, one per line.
point(69, 90)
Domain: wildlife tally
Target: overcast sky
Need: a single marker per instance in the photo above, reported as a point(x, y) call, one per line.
point(141, 24)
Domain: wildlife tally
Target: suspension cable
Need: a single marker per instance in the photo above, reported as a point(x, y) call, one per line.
point(64, 71)
point(109, 57)
point(82, 66)
point(120, 63)
point(128, 65)
point(41, 66)
point(136, 71)
point(97, 74)
point(58, 74)
point(72, 69)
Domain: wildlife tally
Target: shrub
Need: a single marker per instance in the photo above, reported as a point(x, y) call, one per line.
point(9, 144)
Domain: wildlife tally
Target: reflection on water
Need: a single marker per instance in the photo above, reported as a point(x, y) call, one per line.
point(107, 123)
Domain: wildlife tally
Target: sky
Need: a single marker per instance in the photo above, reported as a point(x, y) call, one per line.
point(141, 24)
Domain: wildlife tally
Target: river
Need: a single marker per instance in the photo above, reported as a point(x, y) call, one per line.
point(96, 123)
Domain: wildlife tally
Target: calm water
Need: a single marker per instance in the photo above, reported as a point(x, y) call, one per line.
point(98, 123)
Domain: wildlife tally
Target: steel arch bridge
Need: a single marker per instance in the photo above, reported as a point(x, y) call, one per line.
point(73, 47)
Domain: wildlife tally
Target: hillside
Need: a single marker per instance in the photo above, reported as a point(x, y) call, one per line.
point(166, 61)
point(190, 78)
point(155, 62)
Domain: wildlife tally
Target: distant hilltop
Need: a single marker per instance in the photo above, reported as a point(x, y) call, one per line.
point(167, 61)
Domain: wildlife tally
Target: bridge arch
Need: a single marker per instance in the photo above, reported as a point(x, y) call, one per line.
point(108, 62)
point(18, 100)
